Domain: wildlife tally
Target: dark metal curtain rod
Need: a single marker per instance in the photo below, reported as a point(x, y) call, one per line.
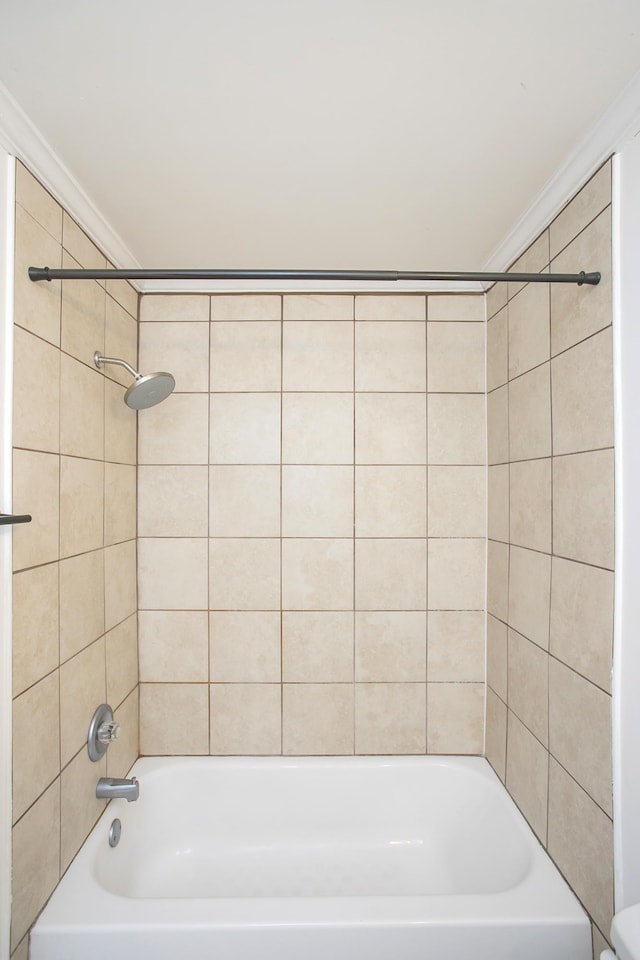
point(49, 273)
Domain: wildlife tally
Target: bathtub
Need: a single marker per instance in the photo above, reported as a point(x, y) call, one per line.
point(409, 858)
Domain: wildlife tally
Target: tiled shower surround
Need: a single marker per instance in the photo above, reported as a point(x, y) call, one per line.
point(74, 592)
point(312, 525)
point(550, 556)
point(311, 535)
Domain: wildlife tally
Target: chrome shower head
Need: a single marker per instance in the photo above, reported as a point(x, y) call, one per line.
point(145, 391)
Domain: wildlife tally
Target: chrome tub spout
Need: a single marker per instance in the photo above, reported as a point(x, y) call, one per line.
point(109, 788)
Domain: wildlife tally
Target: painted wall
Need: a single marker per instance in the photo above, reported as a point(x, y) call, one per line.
point(74, 584)
point(312, 525)
point(551, 546)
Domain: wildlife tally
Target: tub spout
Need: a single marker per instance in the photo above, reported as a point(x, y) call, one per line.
point(109, 788)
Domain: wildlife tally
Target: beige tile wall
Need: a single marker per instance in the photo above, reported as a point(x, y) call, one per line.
point(550, 576)
point(312, 525)
point(74, 586)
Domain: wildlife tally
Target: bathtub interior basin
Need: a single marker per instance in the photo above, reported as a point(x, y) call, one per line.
point(315, 857)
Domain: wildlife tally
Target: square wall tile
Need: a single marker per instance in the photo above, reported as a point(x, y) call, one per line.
point(391, 646)
point(253, 306)
point(120, 595)
point(81, 410)
point(81, 505)
point(455, 306)
point(82, 586)
point(174, 719)
point(173, 501)
point(35, 625)
point(582, 383)
point(534, 260)
point(496, 298)
point(317, 501)
point(79, 807)
point(126, 750)
point(245, 428)
point(36, 393)
point(529, 594)
point(173, 646)
point(582, 619)
point(456, 423)
point(83, 315)
point(36, 491)
point(498, 425)
point(455, 718)
point(456, 574)
point(318, 307)
point(530, 504)
point(496, 734)
point(391, 501)
point(391, 307)
point(173, 307)
point(580, 731)
point(528, 684)
point(456, 357)
point(317, 428)
point(120, 519)
point(36, 742)
point(246, 355)
point(76, 242)
point(498, 579)
point(498, 502)
point(528, 775)
point(391, 574)
point(317, 719)
point(581, 843)
point(577, 312)
point(317, 646)
point(122, 660)
point(317, 574)
point(244, 501)
point(390, 356)
point(244, 574)
point(82, 687)
point(120, 426)
point(246, 719)
point(390, 718)
point(173, 573)
point(35, 860)
point(176, 431)
point(528, 332)
point(38, 202)
point(530, 415)
point(317, 356)
point(497, 656)
point(497, 351)
point(456, 646)
point(457, 502)
point(391, 428)
point(245, 647)
point(36, 305)
point(583, 525)
point(583, 208)
point(180, 348)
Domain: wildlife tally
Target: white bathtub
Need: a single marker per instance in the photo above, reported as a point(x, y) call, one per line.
point(410, 858)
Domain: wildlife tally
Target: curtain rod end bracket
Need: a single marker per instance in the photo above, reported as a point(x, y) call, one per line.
point(39, 273)
point(591, 278)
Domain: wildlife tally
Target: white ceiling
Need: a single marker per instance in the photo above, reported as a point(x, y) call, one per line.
point(381, 134)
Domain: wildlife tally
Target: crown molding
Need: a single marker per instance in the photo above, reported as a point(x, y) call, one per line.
point(21, 138)
point(618, 124)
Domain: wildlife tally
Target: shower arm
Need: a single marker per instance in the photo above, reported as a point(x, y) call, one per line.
point(53, 273)
point(99, 360)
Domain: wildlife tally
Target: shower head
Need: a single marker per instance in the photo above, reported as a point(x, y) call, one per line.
point(144, 391)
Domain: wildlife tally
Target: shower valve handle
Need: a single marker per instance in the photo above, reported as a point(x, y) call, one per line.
point(108, 731)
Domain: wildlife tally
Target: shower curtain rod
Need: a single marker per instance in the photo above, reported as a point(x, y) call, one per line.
point(52, 273)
